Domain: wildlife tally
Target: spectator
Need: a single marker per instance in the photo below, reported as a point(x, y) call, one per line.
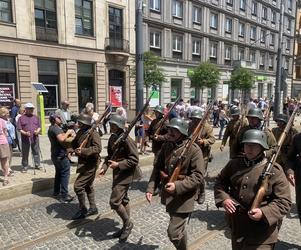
point(262, 105)
point(4, 147)
point(251, 104)
point(172, 114)
point(146, 119)
point(59, 158)
point(64, 113)
point(180, 109)
point(122, 111)
point(107, 118)
point(138, 133)
point(18, 134)
point(223, 120)
point(193, 107)
point(215, 114)
point(14, 111)
point(29, 127)
point(89, 110)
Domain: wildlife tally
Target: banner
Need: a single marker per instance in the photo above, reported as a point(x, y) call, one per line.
point(7, 94)
point(116, 96)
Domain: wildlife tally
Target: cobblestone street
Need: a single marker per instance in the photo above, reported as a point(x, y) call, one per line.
point(40, 222)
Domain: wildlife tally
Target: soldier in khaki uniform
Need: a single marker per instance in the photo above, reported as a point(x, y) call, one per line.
point(158, 140)
point(178, 196)
point(235, 190)
point(232, 129)
point(254, 117)
point(124, 166)
point(282, 120)
point(88, 161)
point(205, 141)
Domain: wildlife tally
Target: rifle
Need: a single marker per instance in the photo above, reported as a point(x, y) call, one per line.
point(191, 139)
point(125, 134)
point(165, 118)
point(95, 125)
point(265, 176)
point(266, 117)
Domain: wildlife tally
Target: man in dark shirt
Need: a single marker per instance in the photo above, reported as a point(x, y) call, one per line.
point(59, 158)
point(14, 111)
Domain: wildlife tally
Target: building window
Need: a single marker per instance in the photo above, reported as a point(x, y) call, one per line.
point(6, 11)
point(84, 17)
point(242, 5)
point(177, 8)
point(213, 20)
point(289, 25)
point(213, 49)
point(228, 25)
point(271, 62)
point(254, 8)
point(262, 36)
point(272, 39)
point(48, 71)
point(264, 13)
point(196, 47)
point(155, 5)
point(262, 61)
point(290, 4)
point(116, 29)
point(273, 17)
point(196, 17)
point(252, 56)
point(177, 46)
point(85, 81)
point(241, 30)
point(228, 53)
point(288, 44)
point(45, 20)
point(155, 39)
point(241, 54)
point(253, 31)
point(229, 2)
point(286, 64)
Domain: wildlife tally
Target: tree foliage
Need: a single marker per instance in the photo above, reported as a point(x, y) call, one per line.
point(204, 75)
point(242, 78)
point(153, 74)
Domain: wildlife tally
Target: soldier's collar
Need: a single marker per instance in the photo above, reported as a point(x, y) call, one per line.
point(253, 162)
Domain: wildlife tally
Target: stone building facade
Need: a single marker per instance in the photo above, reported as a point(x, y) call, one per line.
point(77, 49)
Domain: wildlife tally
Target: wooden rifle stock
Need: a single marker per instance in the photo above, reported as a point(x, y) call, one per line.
point(196, 133)
point(268, 170)
point(94, 126)
point(166, 117)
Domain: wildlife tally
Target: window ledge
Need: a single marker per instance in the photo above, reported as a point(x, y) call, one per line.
point(155, 11)
point(154, 47)
point(177, 17)
point(7, 24)
point(85, 36)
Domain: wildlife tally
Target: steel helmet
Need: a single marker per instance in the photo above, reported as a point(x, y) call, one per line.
point(234, 111)
point(179, 124)
point(255, 136)
point(159, 109)
point(256, 112)
point(282, 117)
point(85, 119)
point(118, 120)
point(196, 114)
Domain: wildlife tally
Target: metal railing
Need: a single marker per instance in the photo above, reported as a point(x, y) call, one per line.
point(120, 45)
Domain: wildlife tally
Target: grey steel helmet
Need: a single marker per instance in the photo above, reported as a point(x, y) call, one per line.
point(196, 114)
point(282, 117)
point(234, 111)
point(256, 112)
point(118, 120)
point(85, 119)
point(255, 136)
point(179, 124)
point(159, 109)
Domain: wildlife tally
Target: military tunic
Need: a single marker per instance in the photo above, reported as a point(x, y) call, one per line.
point(238, 146)
point(156, 144)
point(180, 204)
point(88, 163)
point(123, 175)
point(239, 181)
point(231, 133)
point(282, 157)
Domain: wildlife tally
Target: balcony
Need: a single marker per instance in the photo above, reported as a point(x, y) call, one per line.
point(113, 45)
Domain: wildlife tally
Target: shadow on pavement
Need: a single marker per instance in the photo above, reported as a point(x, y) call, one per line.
point(138, 245)
point(282, 245)
point(139, 185)
point(63, 211)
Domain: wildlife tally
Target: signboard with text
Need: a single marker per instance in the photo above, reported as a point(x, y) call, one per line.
point(7, 94)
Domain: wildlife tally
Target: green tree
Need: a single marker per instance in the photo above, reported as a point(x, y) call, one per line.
point(153, 74)
point(204, 75)
point(242, 79)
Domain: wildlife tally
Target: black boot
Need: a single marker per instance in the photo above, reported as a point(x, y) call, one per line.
point(81, 214)
point(126, 232)
point(201, 197)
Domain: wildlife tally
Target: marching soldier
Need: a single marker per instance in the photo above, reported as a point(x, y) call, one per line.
point(124, 166)
point(178, 196)
point(88, 161)
point(293, 169)
point(255, 118)
point(158, 140)
point(205, 141)
point(232, 129)
point(281, 121)
point(236, 187)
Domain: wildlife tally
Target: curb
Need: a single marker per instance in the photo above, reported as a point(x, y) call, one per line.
point(42, 184)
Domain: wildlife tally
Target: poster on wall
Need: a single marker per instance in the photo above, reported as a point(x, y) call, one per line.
point(155, 100)
point(7, 94)
point(116, 96)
